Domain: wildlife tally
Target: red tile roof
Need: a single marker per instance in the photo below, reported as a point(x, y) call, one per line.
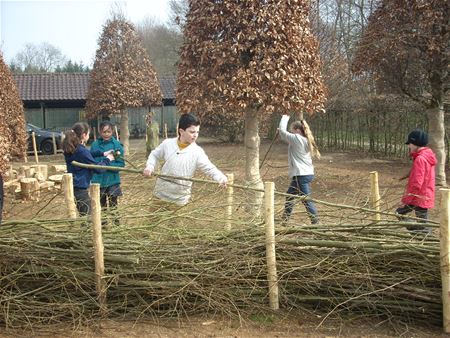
point(69, 86)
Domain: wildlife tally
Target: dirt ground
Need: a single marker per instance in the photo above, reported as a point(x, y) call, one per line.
point(340, 178)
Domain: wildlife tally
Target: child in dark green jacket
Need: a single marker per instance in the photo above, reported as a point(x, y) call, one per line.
point(109, 180)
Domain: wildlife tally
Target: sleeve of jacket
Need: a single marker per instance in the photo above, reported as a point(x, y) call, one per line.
point(95, 150)
point(209, 169)
point(284, 134)
point(156, 155)
point(89, 159)
point(416, 176)
point(118, 162)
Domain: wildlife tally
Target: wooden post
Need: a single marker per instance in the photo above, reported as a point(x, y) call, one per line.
point(94, 133)
point(165, 130)
point(100, 285)
point(117, 133)
point(67, 185)
point(229, 215)
point(445, 257)
point(55, 149)
point(269, 201)
point(33, 138)
point(375, 194)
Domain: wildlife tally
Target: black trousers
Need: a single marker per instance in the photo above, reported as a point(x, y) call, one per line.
point(420, 213)
point(83, 201)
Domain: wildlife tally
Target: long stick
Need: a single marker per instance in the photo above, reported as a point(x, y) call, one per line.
point(238, 186)
point(267, 153)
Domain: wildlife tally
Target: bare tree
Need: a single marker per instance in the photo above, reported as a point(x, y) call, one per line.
point(122, 76)
point(178, 12)
point(38, 58)
point(249, 59)
point(162, 44)
point(407, 48)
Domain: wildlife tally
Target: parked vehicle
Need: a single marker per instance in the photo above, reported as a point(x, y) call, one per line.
point(44, 142)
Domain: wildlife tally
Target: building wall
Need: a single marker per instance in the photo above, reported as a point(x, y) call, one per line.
point(60, 119)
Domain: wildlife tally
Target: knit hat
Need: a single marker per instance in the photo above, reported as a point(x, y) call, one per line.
point(418, 137)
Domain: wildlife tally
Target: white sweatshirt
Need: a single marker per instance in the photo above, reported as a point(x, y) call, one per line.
point(180, 163)
point(299, 155)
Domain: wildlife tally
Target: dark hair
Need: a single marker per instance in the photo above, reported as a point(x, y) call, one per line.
point(73, 137)
point(104, 124)
point(417, 137)
point(187, 120)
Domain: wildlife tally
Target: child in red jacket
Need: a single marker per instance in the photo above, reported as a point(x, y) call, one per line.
point(419, 195)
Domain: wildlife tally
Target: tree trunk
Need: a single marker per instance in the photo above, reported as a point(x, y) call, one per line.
point(437, 141)
point(125, 133)
point(252, 176)
point(152, 140)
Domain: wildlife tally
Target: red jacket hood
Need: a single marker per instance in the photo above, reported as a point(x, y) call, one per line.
point(427, 154)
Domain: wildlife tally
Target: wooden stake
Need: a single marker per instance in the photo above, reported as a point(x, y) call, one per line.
point(33, 138)
point(229, 215)
point(94, 132)
point(55, 150)
point(165, 130)
point(375, 194)
point(269, 201)
point(100, 285)
point(67, 185)
point(117, 133)
point(445, 257)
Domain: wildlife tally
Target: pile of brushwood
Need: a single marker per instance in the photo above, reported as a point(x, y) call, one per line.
point(378, 271)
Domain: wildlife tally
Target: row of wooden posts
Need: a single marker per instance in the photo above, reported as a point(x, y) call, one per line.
point(269, 215)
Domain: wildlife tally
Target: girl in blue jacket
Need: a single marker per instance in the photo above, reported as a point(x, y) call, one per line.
point(75, 150)
point(109, 180)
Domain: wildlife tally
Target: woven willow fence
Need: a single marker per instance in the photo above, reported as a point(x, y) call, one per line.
point(212, 256)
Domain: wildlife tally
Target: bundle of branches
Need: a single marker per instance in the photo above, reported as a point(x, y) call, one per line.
point(167, 266)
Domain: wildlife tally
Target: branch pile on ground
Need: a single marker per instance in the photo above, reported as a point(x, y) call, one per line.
point(169, 268)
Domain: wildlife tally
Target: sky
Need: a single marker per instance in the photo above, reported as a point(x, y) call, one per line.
point(73, 27)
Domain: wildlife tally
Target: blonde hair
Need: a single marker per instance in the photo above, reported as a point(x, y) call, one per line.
point(306, 131)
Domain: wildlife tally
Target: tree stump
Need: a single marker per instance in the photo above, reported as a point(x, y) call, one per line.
point(30, 189)
point(41, 169)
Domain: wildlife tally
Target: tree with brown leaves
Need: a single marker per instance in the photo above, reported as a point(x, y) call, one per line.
point(249, 59)
point(13, 136)
point(122, 76)
point(407, 48)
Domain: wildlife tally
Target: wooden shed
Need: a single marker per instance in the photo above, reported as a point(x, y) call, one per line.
point(56, 101)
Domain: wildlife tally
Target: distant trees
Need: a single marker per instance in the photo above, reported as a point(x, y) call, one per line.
point(122, 76)
point(162, 43)
point(44, 58)
point(249, 59)
point(406, 48)
point(72, 67)
point(41, 58)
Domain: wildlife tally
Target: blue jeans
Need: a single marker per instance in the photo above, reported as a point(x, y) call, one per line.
point(300, 185)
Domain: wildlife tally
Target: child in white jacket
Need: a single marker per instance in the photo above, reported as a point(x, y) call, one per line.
point(182, 157)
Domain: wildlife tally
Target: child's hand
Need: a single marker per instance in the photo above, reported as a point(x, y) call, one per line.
point(148, 172)
point(223, 182)
point(110, 156)
point(108, 152)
